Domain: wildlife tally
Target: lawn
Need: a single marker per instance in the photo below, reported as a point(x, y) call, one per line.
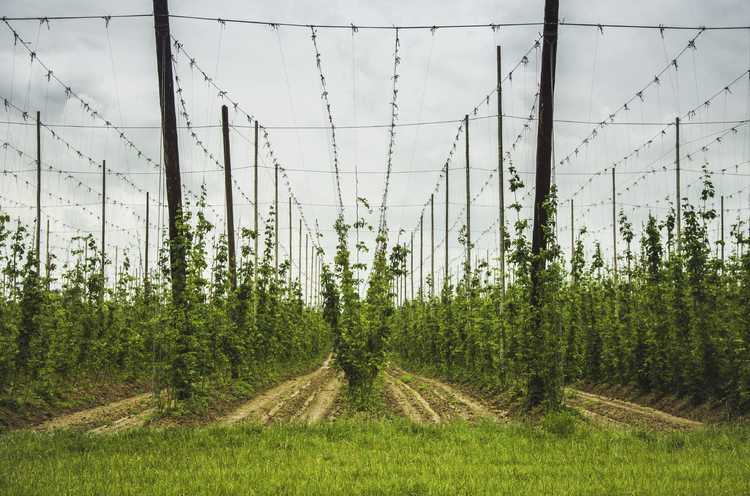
point(379, 457)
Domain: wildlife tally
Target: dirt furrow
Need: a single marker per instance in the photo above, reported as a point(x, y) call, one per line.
point(449, 401)
point(125, 423)
point(101, 416)
point(399, 402)
point(321, 402)
point(297, 405)
point(600, 420)
point(408, 401)
point(272, 404)
point(624, 412)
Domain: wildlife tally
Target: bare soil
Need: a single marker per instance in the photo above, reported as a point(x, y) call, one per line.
point(130, 411)
point(604, 410)
point(84, 394)
point(425, 400)
point(707, 412)
point(308, 398)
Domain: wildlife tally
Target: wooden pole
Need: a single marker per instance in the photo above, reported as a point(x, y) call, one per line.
point(38, 237)
point(104, 221)
point(614, 224)
point(677, 178)
point(228, 195)
point(307, 267)
point(544, 135)
point(468, 201)
point(291, 245)
point(500, 167)
point(432, 242)
point(421, 255)
point(255, 187)
point(447, 238)
point(145, 251)
point(171, 150)
point(542, 383)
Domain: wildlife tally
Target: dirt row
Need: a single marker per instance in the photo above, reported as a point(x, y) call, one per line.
point(309, 398)
point(312, 398)
point(112, 417)
point(425, 400)
point(611, 412)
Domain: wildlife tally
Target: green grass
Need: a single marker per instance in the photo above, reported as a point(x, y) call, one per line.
point(379, 457)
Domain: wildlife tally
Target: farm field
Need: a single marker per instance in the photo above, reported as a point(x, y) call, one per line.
point(378, 457)
point(438, 248)
point(428, 438)
point(424, 437)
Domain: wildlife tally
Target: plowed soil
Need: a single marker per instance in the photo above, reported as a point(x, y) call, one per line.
point(308, 398)
point(613, 412)
point(425, 400)
point(130, 412)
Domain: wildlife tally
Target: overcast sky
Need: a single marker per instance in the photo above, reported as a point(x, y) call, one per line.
point(443, 75)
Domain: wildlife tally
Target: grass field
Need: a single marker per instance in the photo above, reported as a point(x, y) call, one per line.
point(350, 456)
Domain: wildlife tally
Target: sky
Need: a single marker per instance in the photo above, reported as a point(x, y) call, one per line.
point(443, 75)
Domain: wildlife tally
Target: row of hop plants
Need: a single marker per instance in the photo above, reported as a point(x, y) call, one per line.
point(64, 325)
point(361, 324)
point(675, 320)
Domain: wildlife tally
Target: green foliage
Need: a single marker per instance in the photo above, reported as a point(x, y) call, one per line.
point(361, 327)
point(674, 320)
point(59, 328)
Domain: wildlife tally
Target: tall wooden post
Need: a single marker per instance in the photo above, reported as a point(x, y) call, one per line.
point(276, 214)
point(171, 151)
point(38, 237)
point(104, 221)
point(421, 255)
point(447, 237)
point(291, 245)
point(544, 136)
point(468, 201)
point(228, 195)
point(255, 187)
point(722, 229)
point(500, 167)
point(432, 242)
point(145, 251)
point(543, 381)
point(677, 178)
point(307, 268)
point(614, 224)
